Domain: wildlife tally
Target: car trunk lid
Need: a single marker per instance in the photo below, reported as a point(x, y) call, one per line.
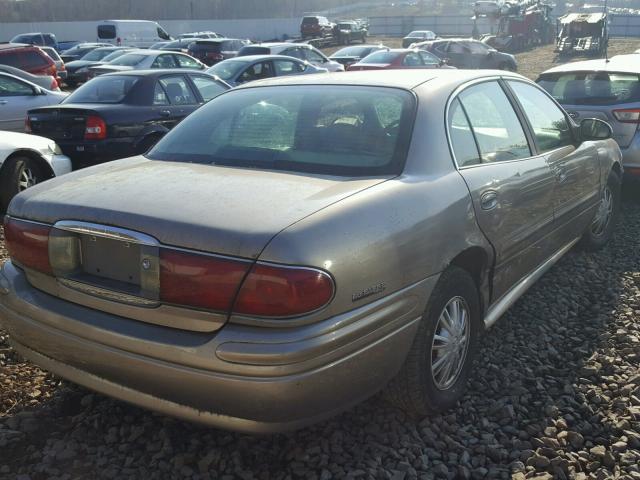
point(60, 123)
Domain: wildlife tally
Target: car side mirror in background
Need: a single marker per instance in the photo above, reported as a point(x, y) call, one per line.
point(595, 129)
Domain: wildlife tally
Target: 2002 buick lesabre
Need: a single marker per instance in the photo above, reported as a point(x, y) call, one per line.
point(295, 245)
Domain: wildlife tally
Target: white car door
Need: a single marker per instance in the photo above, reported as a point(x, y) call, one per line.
point(16, 98)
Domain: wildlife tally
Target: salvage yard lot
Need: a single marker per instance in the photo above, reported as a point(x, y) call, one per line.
point(556, 391)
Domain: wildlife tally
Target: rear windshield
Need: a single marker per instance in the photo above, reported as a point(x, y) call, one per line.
point(310, 21)
point(110, 89)
point(96, 55)
point(228, 69)
point(592, 88)
point(333, 130)
point(129, 60)
point(353, 52)
point(106, 32)
point(208, 46)
point(380, 57)
point(245, 51)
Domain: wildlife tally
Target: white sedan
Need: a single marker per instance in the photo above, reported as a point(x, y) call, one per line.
point(26, 160)
point(17, 96)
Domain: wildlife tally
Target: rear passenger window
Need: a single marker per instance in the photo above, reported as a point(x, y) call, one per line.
point(11, 59)
point(187, 62)
point(207, 87)
point(178, 91)
point(496, 127)
point(549, 124)
point(32, 59)
point(461, 137)
point(159, 95)
point(164, 61)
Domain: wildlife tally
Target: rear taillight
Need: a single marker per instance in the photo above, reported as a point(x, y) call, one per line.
point(54, 84)
point(627, 115)
point(27, 125)
point(200, 281)
point(95, 128)
point(28, 244)
point(282, 291)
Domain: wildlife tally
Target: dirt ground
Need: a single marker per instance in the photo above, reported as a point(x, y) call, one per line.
point(532, 62)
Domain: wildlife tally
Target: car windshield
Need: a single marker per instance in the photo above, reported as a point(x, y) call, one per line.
point(380, 57)
point(592, 88)
point(228, 69)
point(352, 52)
point(129, 60)
point(113, 55)
point(417, 34)
point(108, 89)
point(333, 130)
point(96, 55)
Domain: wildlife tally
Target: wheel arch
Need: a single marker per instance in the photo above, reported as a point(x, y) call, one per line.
point(46, 169)
point(476, 262)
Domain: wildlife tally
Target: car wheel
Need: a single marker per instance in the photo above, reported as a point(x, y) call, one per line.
point(604, 221)
point(434, 375)
point(19, 174)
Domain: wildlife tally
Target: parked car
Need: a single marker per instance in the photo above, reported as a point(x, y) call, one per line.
point(350, 31)
point(237, 71)
point(337, 236)
point(605, 89)
point(159, 45)
point(316, 26)
point(122, 114)
point(418, 36)
point(146, 59)
point(28, 58)
point(208, 34)
point(398, 58)
point(301, 51)
point(67, 44)
point(180, 45)
point(80, 50)
point(131, 33)
point(43, 81)
point(61, 70)
point(17, 96)
point(350, 55)
point(466, 53)
point(78, 70)
point(213, 50)
point(26, 160)
point(40, 39)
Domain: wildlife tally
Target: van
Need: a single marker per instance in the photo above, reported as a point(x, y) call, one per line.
point(40, 39)
point(131, 33)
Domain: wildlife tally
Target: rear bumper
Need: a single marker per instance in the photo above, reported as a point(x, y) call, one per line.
point(242, 378)
point(631, 159)
point(86, 154)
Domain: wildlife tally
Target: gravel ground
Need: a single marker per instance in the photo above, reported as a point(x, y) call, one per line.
point(556, 393)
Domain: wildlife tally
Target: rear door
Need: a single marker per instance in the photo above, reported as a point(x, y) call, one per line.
point(181, 98)
point(16, 98)
point(256, 71)
point(412, 60)
point(459, 55)
point(576, 167)
point(511, 187)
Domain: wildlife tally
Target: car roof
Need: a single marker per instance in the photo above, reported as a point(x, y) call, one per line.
point(254, 58)
point(409, 79)
point(629, 63)
point(279, 44)
point(16, 46)
point(156, 72)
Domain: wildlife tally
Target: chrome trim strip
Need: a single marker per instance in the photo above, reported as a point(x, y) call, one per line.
point(114, 233)
point(111, 295)
point(501, 306)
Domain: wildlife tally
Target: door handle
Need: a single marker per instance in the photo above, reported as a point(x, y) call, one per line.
point(3, 102)
point(489, 200)
point(561, 174)
point(165, 113)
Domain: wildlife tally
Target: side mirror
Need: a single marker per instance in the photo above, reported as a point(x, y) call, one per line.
point(38, 91)
point(595, 129)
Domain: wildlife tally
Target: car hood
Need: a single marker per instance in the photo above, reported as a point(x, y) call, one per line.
point(216, 209)
point(13, 140)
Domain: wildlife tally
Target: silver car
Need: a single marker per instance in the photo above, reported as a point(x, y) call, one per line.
point(147, 59)
point(609, 90)
point(18, 96)
point(302, 51)
point(239, 70)
point(319, 238)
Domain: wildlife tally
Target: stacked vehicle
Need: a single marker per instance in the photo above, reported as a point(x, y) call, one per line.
point(586, 33)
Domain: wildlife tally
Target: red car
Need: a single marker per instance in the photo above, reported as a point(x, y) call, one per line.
point(398, 58)
point(28, 58)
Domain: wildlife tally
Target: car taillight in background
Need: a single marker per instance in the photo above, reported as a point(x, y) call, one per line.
point(27, 125)
point(627, 115)
point(28, 244)
point(95, 128)
point(54, 85)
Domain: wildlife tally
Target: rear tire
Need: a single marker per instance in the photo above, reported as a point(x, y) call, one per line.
point(19, 174)
point(604, 222)
point(424, 386)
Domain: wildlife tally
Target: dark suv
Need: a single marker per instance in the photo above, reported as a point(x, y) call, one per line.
point(28, 58)
point(316, 26)
point(213, 50)
point(41, 39)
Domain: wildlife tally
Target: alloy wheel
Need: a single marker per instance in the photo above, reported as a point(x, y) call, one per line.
point(450, 343)
point(27, 179)
point(604, 213)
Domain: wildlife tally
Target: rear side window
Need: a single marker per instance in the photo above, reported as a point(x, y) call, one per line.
point(187, 62)
point(461, 136)
point(178, 91)
point(496, 127)
point(254, 51)
point(164, 61)
point(10, 87)
point(548, 122)
point(342, 130)
point(103, 90)
point(380, 57)
point(310, 21)
point(287, 67)
point(592, 88)
point(207, 87)
point(257, 71)
point(32, 59)
point(107, 32)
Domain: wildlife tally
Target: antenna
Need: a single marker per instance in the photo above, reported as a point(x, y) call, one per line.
point(606, 31)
